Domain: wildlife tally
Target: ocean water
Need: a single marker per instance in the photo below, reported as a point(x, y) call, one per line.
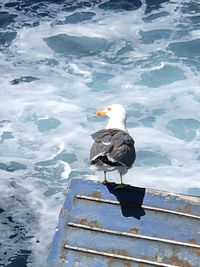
point(60, 61)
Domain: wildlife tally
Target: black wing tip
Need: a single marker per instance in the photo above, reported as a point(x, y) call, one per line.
point(104, 160)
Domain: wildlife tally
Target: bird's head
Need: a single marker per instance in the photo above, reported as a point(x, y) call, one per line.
point(113, 111)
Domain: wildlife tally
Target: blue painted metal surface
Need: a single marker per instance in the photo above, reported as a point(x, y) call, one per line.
point(101, 226)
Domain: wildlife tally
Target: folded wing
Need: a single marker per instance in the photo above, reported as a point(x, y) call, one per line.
point(113, 147)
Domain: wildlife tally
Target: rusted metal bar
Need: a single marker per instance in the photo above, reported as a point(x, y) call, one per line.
point(151, 238)
point(115, 202)
point(117, 256)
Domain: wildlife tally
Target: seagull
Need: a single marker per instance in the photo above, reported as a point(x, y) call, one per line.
point(113, 147)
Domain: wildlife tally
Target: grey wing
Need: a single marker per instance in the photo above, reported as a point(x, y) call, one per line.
point(117, 145)
point(103, 136)
point(123, 150)
point(125, 154)
point(101, 145)
point(97, 149)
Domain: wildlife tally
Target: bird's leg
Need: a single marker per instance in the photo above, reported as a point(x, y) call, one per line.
point(105, 180)
point(122, 185)
point(121, 178)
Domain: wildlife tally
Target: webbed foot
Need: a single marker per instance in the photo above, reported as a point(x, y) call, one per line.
point(120, 186)
point(105, 182)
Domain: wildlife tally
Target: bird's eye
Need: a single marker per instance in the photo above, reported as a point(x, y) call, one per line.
point(109, 108)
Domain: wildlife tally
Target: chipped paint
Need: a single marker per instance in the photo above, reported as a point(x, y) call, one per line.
point(196, 251)
point(96, 194)
point(192, 240)
point(178, 262)
point(89, 223)
point(135, 230)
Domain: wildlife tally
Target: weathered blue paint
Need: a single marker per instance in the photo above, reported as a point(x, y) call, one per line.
point(129, 213)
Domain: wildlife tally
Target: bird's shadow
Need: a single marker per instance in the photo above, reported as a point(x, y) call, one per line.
point(130, 199)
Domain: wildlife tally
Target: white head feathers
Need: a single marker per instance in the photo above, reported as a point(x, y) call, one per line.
point(117, 117)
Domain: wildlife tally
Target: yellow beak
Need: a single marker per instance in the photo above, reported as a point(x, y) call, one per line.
point(100, 113)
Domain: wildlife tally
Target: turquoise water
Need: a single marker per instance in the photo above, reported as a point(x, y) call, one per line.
point(60, 61)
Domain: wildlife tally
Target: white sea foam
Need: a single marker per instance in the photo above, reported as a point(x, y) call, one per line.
point(52, 85)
